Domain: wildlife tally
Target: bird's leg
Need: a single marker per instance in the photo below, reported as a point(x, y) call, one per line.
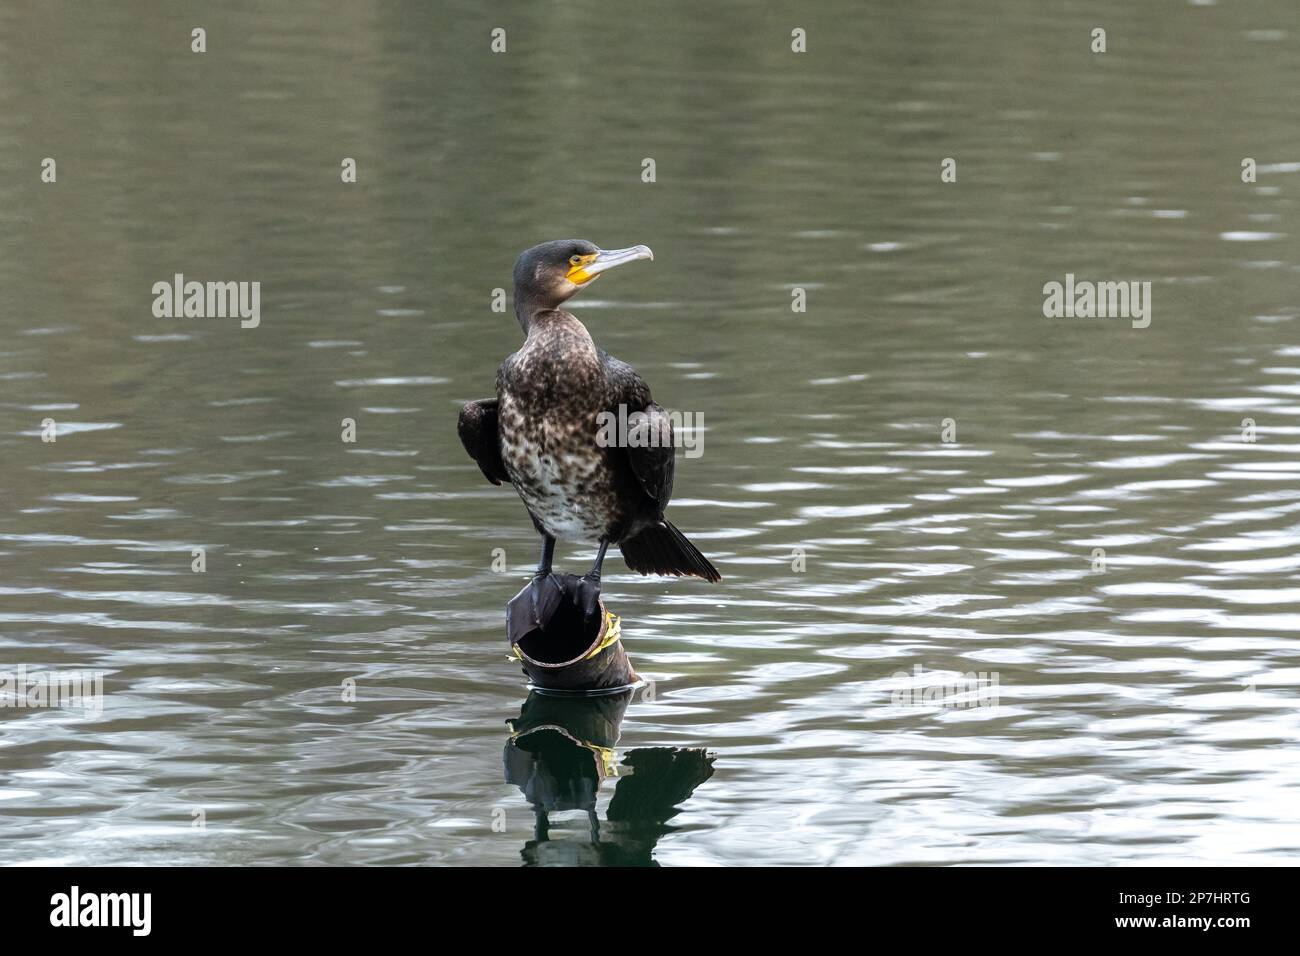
point(589, 589)
point(594, 573)
point(548, 555)
point(544, 598)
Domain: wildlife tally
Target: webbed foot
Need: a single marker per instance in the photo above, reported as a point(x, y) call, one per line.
point(588, 598)
point(544, 594)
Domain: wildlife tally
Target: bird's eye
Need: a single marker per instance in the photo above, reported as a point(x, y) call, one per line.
point(574, 260)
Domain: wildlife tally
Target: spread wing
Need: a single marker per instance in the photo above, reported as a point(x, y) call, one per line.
point(650, 431)
point(477, 428)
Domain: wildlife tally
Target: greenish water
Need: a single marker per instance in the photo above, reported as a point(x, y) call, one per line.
point(1147, 712)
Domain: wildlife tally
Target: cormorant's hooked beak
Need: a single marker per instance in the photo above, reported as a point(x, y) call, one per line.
point(593, 265)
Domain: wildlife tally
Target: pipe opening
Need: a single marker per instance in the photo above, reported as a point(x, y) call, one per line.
point(563, 639)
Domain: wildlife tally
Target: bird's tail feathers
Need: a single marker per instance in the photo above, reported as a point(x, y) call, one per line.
point(662, 549)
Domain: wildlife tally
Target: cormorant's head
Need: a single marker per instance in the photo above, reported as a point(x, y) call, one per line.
point(548, 274)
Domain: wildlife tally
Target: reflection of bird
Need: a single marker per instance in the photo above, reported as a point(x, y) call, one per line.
point(561, 750)
point(542, 431)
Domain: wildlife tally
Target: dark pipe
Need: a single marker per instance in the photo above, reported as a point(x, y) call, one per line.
point(560, 649)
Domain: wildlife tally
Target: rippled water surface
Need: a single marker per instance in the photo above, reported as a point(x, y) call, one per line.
point(1147, 693)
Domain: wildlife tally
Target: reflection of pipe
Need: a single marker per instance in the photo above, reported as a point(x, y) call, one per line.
point(596, 720)
point(562, 750)
point(559, 648)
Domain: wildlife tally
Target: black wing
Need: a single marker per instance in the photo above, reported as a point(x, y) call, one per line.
point(651, 456)
point(477, 428)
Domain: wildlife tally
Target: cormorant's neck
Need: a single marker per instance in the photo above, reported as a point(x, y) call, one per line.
point(529, 307)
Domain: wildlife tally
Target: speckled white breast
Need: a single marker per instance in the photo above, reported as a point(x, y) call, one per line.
point(558, 470)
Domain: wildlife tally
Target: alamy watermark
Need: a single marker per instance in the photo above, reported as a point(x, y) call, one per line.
point(622, 429)
point(208, 300)
point(51, 689)
point(75, 908)
point(975, 689)
point(1102, 300)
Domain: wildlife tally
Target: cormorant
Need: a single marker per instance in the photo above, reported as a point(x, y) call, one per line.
point(541, 431)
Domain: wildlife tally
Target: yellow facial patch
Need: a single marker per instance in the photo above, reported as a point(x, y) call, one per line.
point(578, 273)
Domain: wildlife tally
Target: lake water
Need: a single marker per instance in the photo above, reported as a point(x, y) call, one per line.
point(1101, 541)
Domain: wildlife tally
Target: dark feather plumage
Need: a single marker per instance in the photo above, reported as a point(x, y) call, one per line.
point(477, 428)
point(540, 433)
